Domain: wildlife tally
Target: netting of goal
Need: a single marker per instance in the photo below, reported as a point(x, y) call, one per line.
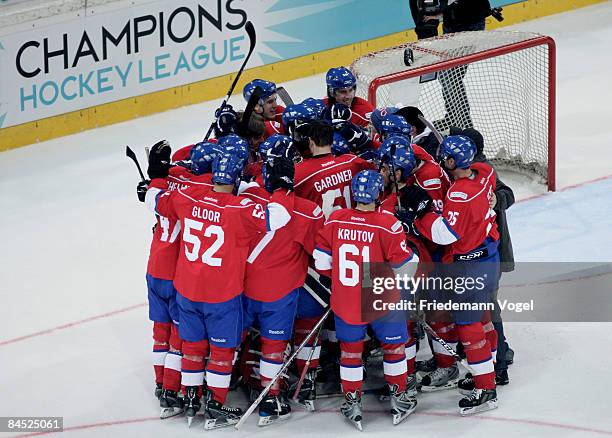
point(499, 82)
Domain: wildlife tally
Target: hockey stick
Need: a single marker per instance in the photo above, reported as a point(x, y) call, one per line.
point(130, 154)
point(243, 128)
point(313, 286)
point(392, 175)
point(432, 128)
point(447, 347)
point(284, 95)
point(298, 386)
point(250, 30)
point(265, 391)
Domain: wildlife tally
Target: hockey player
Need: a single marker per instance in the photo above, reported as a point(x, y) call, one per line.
point(217, 228)
point(295, 120)
point(163, 255)
point(355, 137)
point(326, 181)
point(350, 238)
point(341, 87)
point(467, 227)
point(425, 173)
point(282, 255)
point(268, 106)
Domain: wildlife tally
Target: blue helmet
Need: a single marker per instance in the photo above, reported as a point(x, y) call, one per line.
point(273, 142)
point(339, 77)
point(339, 145)
point(379, 114)
point(279, 146)
point(404, 160)
point(395, 125)
point(268, 89)
point(367, 186)
point(316, 104)
point(226, 168)
point(459, 147)
point(296, 116)
point(201, 156)
point(234, 144)
point(394, 142)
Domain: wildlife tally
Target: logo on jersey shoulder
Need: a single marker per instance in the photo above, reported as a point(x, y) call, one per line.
point(359, 219)
point(460, 195)
point(208, 198)
point(329, 163)
point(317, 211)
point(219, 340)
point(431, 182)
point(396, 226)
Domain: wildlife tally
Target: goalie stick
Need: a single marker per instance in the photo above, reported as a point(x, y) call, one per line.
point(280, 372)
point(131, 155)
point(250, 30)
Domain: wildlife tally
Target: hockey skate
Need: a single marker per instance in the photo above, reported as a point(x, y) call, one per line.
point(440, 379)
point(192, 403)
point(480, 400)
point(411, 388)
point(426, 366)
point(402, 404)
point(218, 415)
point(467, 384)
point(352, 408)
point(308, 392)
point(273, 409)
point(170, 403)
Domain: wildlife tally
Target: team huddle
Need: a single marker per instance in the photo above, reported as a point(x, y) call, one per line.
point(261, 239)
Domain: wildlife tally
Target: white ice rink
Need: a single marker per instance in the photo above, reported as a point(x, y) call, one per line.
point(75, 339)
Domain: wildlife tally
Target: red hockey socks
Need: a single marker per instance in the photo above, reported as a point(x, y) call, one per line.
point(161, 337)
point(448, 333)
point(351, 367)
point(219, 371)
point(303, 326)
point(394, 365)
point(478, 352)
point(172, 364)
point(273, 353)
point(192, 363)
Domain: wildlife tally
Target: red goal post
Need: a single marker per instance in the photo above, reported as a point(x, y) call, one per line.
point(500, 82)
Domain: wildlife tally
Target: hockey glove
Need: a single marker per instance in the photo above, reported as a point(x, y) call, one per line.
point(416, 200)
point(226, 121)
point(340, 113)
point(159, 160)
point(356, 137)
point(141, 190)
point(281, 171)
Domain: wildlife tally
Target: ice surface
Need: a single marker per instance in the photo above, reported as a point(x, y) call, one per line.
point(75, 340)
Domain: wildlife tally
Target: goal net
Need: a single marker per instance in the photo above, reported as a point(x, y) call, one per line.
point(499, 82)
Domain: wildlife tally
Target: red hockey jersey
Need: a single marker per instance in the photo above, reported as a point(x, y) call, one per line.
point(467, 219)
point(217, 229)
point(165, 244)
point(278, 260)
point(349, 239)
point(326, 180)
